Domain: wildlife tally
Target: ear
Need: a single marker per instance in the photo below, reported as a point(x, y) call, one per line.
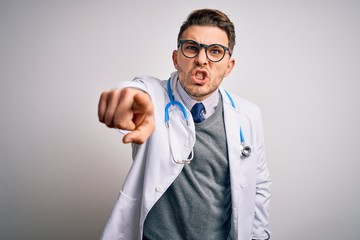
point(230, 66)
point(174, 58)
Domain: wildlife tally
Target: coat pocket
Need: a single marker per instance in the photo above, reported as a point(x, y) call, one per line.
point(124, 221)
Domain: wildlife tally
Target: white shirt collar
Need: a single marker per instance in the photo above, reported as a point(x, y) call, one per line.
point(210, 102)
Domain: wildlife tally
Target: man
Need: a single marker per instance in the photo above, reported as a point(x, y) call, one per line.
point(192, 176)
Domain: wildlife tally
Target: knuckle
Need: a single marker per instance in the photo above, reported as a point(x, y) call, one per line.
point(102, 96)
point(105, 95)
point(125, 92)
point(108, 123)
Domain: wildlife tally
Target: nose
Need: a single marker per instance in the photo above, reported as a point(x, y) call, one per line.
point(201, 58)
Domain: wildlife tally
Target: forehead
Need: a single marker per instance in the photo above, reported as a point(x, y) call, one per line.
point(206, 35)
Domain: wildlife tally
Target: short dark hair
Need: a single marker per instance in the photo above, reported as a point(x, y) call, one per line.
point(210, 17)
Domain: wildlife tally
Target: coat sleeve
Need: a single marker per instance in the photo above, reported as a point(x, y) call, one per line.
point(263, 192)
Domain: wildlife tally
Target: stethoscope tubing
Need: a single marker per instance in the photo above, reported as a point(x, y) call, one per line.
point(246, 149)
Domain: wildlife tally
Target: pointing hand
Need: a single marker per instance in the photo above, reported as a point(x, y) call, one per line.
point(128, 109)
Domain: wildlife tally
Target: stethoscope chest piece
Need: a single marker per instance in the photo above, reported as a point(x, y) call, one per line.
point(246, 150)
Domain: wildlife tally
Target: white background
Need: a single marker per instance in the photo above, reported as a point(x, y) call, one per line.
point(61, 170)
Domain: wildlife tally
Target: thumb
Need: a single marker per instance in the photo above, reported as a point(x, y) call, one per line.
point(142, 132)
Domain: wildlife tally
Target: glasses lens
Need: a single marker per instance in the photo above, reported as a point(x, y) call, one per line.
point(190, 49)
point(215, 52)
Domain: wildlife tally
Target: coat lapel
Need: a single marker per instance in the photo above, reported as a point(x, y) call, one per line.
point(234, 119)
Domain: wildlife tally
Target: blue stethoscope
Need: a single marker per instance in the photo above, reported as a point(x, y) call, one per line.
point(245, 149)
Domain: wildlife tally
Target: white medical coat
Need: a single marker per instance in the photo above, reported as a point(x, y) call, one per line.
point(153, 169)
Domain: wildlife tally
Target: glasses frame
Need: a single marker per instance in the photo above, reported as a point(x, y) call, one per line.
point(201, 45)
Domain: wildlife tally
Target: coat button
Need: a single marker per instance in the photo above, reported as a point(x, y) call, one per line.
point(159, 189)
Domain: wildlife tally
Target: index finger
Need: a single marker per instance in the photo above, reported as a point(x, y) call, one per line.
point(142, 103)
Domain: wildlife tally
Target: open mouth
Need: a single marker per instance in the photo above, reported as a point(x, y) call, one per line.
point(200, 76)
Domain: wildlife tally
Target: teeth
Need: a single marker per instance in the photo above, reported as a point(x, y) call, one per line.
point(200, 75)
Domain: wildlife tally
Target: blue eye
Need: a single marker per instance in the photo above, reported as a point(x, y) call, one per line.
point(191, 47)
point(216, 50)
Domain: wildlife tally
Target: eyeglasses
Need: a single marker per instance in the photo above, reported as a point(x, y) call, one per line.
point(214, 52)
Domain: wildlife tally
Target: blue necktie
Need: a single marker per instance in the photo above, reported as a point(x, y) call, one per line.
point(196, 112)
